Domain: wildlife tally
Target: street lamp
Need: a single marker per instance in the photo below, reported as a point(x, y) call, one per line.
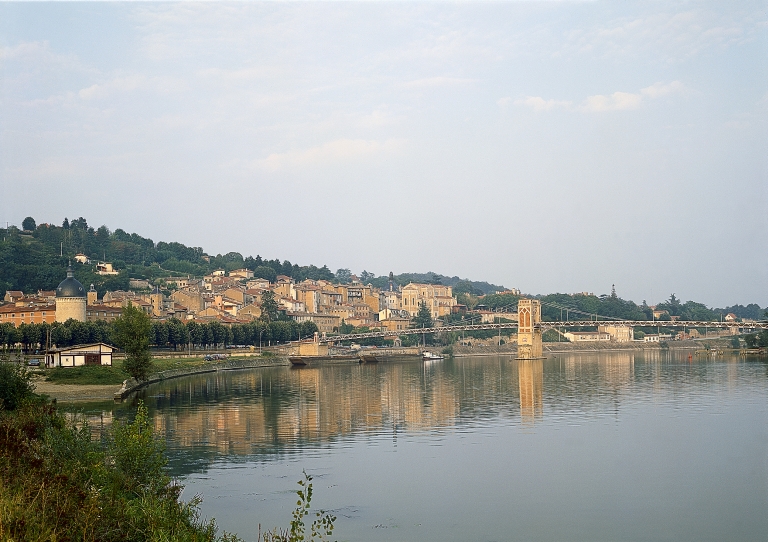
point(260, 332)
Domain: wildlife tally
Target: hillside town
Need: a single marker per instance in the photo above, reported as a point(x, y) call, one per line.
point(237, 297)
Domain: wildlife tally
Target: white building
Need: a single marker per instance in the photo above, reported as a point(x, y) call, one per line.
point(82, 354)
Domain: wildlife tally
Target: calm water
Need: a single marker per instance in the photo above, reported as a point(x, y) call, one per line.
point(618, 446)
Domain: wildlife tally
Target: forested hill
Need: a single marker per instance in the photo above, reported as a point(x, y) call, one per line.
point(34, 259)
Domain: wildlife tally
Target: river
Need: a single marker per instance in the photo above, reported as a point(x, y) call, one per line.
point(582, 446)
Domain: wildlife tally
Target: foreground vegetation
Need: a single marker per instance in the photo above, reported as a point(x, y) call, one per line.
point(59, 483)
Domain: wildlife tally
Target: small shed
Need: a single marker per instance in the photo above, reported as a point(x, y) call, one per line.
point(81, 354)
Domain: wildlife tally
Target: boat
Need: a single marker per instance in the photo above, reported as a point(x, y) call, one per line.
point(368, 358)
point(303, 361)
point(431, 356)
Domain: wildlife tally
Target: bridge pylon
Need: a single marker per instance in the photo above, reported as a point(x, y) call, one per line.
point(529, 344)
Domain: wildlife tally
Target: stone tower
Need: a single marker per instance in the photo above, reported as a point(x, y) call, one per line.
point(70, 299)
point(528, 331)
point(93, 296)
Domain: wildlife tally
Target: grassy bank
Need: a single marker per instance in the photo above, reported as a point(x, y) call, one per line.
point(59, 483)
point(106, 375)
point(92, 375)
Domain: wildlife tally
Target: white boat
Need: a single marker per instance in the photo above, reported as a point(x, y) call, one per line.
point(430, 356)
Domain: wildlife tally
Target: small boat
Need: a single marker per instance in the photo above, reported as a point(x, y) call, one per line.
point(430, 356)
point(368, 358)
point(303, 361)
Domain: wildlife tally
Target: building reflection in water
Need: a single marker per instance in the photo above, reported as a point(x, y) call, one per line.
point(277, 410)
point(531, 379)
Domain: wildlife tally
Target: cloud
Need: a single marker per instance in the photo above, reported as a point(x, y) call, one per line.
point(618, 101)
point(430, 82)
point(333, 152)
point(660, 89)
point(161, 85)
point(537, 103)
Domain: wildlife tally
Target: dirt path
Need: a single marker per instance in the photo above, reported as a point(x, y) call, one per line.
point(73, 393)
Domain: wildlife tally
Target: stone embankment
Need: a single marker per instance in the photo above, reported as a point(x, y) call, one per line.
point(131, 385)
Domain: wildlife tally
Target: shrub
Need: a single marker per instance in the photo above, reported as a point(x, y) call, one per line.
point(15, 385)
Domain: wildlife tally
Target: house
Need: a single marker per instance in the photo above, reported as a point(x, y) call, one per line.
point(730, 317)
point(29, 314)
point(259, 284)
point(12, 296)
point(192, 300)
point(438, 298)
point(76, 356)
point(105, 313)
point(241, 273)
point(105, 268)
point(326, 323)
point(586, 336)
point(491, 317)
point(618, 333)
point(251, 311)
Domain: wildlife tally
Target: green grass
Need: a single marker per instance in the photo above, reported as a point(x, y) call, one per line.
point(106, 375)
point(99, 375)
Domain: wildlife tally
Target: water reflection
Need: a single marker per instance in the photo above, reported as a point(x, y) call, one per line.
point(531, 377)
point(274, 411)
point(616, 446)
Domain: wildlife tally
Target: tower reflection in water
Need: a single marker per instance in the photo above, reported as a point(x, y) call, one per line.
point(531, 378)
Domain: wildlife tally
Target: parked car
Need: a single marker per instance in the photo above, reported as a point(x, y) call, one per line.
point(214, 357)
point(34, 363)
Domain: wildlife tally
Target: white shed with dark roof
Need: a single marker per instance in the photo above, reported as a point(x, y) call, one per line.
point(79, 355)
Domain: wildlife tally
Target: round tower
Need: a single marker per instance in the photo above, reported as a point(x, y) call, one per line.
point(70, 299)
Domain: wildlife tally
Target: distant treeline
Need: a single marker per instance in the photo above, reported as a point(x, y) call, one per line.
point(557, 307)
point(171, 333)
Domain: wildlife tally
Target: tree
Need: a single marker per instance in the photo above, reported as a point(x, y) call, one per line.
point(423, 319)
point(366, 277)
point(266, 273)
point(132, 332)
point(268, 307)
point(751, 340)
point(29, 224)
point(762, 339)
point(343, 275)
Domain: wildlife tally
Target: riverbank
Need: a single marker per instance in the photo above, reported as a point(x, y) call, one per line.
point(80, 393)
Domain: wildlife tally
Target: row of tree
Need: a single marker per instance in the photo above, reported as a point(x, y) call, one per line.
point(171, 333)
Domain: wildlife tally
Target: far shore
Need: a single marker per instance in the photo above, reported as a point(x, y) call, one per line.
point(80, 393)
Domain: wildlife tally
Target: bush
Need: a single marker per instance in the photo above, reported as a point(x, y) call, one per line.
point(57, 483)
point(15, 385)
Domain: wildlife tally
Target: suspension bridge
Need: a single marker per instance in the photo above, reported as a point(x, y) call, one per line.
point(530, 328)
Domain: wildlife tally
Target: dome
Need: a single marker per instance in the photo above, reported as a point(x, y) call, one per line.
point(70, 286)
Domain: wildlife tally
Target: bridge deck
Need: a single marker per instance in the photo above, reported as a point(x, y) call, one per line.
point(549, 325)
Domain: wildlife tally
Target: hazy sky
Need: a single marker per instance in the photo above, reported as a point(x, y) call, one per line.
point(548, 146)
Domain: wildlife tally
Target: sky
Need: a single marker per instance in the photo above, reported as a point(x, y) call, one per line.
point(545, 146)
